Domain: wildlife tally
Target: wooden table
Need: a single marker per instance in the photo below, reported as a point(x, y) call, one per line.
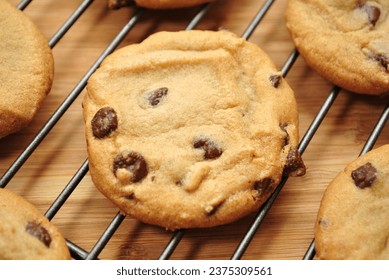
point(286, 231)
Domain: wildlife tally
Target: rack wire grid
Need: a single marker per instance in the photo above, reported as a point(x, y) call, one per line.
point(47, 163)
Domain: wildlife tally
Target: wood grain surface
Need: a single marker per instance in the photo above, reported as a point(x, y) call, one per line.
point(286, 231)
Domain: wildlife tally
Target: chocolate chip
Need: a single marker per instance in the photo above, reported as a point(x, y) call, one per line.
point(263, 186)
point(131, 196)
point(179, 183)
point(364, 176)
point(383, 59)
point(294, 164)
point(373, 13)
point(39, 232)
point(212, 151)
point(132, 162)
point(275, 80)
point(156, 96)
point(104, 122)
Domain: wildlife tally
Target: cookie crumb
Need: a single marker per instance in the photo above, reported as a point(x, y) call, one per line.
point(211, 209)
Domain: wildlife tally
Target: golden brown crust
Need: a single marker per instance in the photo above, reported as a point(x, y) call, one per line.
point(26, 69)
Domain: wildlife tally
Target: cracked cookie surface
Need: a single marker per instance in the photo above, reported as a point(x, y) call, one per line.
point(352, 219)
point(346, 41)
point(190, 128)
point(26, 234)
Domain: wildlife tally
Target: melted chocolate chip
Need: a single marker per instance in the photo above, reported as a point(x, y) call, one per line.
point(364, 176)
point(39, 232)
point(294, 164)
point(156, 96)
point(263, 186)
point(104, 122)
point(275, 80)
point(373, 13)
point(383, 59)
point(212, 151)
point(133, 162)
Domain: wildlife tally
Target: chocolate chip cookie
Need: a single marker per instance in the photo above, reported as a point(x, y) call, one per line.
point(190, 128)
point(352, 220)
point(25, 233)
point(26, 69)
point(156, 4)
point(347, 42)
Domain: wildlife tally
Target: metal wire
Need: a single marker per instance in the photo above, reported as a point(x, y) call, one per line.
point(23, 4)
point(198, 17)
point(69, 23)
point(67, 191)
point(172, 244)
point(257, 19)
point(106, 236)
point(76, 252)
point(376, 130)
point(310, 253)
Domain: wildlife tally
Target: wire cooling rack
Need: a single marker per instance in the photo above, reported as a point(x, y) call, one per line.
point(252, 224)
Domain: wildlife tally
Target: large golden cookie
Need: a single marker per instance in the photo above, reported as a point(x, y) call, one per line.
point(190, 128)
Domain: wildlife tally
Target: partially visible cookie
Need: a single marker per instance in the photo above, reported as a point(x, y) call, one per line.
point(346, 41)
point(26, 69)
point(26, 234)
point(352, 222)
point(190, 129)
point(156, 4)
